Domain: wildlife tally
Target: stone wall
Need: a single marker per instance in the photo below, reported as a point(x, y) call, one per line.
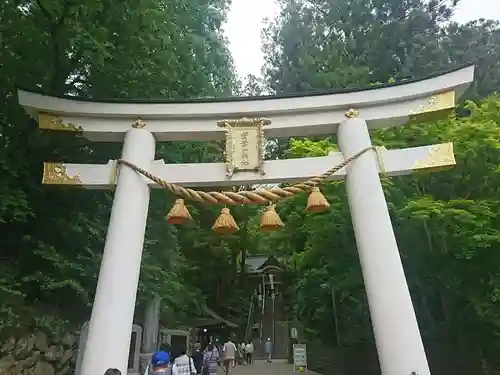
point(38, 354)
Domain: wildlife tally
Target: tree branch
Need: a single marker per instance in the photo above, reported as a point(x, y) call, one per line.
point(45, 12)
point(67, 5)
point(56, 54)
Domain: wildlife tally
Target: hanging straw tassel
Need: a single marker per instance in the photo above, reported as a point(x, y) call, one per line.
point(317, 201)
point(270, 220)
point(225, 223)
point(179, 213)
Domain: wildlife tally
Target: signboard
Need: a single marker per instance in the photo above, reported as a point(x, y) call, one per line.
point(299, 357)
point(293, 333)
point(244, 144)
point(244, 148)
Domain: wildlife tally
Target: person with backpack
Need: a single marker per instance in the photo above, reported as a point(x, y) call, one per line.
point(210, 360)
point(197, 357)
point(183, 364)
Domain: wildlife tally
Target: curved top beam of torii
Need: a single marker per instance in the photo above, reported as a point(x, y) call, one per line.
point(292, 115)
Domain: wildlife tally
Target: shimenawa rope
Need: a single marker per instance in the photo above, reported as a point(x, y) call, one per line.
point(259, 196)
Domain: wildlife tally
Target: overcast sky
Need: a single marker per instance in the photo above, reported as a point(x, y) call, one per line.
point(246, 20)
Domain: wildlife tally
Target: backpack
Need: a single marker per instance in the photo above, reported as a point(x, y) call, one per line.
point(205, 368)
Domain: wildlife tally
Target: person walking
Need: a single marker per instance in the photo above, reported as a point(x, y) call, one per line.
point(210, 360)
point(268, 349)
point(183, 364)
point(219, 350)
point(241, 353)
point(249, 352)
point(197, 356)
point(159, 363)
point(229, 356)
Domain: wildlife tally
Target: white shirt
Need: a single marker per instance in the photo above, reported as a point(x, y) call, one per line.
point(249, 348)
point(229, 350)
point(183, 365)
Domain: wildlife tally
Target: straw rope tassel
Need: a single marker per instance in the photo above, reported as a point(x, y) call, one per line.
point(270, 220)
point(179, 213)
point(225, 223)
point(316, 202)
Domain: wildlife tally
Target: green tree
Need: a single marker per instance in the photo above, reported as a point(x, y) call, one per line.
point(52, 238)
point(329, 44)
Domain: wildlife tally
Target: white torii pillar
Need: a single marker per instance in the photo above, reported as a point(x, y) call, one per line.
point(397, 336)
point(108, 341)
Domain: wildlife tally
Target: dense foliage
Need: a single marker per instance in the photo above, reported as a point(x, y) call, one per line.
point(52, 238)
point(321, 44)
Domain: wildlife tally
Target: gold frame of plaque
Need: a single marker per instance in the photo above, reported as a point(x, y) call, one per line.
point(244, 144)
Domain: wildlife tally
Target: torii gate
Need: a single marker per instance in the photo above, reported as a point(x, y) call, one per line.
point(350, 113)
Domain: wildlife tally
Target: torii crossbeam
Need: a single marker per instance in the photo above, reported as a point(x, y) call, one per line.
point(349, 113)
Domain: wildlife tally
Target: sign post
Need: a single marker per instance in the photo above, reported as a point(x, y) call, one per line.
point(299, 358)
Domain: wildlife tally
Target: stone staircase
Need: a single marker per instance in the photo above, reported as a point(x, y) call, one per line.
point(280, 329)
point(274, 325)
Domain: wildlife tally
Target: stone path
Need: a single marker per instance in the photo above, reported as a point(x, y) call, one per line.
point(277, 367)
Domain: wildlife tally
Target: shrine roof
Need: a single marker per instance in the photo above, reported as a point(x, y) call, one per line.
point(253, 264)
point(247, 98)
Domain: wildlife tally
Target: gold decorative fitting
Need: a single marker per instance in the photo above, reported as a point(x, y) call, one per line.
point(351, 113)
point(57, 174)
point(244, 144)
point(50, 122)
point(439, 156)
point(139, 124)
point(435, 106)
